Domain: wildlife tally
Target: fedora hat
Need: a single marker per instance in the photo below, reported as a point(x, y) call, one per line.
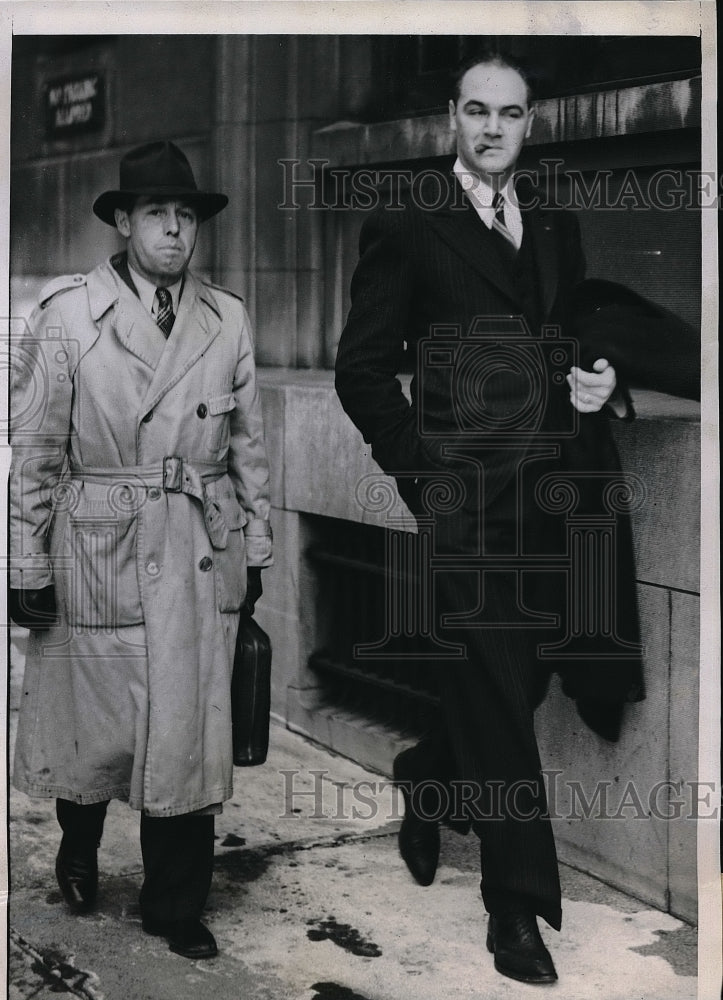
point(649, 346)
point(158, 169)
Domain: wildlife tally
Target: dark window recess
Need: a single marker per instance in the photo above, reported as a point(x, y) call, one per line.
point(412, 72)
point(654, 251)
point(351, 565)
point(32, 45)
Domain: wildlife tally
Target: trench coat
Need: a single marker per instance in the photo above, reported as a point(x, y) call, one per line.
point(139, 488)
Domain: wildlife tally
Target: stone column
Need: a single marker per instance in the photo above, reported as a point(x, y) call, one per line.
point(233, 140)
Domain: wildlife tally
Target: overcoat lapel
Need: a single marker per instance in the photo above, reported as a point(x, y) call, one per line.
point(539, 226)
point(132, 325)
point(137, 331)
point(458, 224)
point(465, 233)
point(197, 324)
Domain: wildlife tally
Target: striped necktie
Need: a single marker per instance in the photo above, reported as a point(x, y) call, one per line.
point(164, 312)
point(498, 223)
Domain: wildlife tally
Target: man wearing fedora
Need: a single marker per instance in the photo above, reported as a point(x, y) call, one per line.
point(139, 525)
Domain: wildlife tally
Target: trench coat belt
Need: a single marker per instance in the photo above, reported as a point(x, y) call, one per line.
point(173, 475)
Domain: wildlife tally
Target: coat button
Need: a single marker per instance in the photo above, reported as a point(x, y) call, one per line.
point(148, 417)
point(154, 493)
point(152, 569)
point(201, 410)
point(205, 564)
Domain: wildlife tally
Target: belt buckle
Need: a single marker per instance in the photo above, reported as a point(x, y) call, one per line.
point(172, 474)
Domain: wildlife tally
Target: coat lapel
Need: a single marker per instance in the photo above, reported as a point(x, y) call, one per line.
point(197, 324)
point(538, 224)
point(458, 224)
point(131, 323)
point(465, 233)
point(137, 331)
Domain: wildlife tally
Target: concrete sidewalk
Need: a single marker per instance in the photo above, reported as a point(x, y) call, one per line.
point(311, 901)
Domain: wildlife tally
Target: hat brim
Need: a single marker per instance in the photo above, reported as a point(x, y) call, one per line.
point(206, 203)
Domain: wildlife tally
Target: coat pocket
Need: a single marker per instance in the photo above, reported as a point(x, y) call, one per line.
point(230, 562)
point(101, 582)
point(219, 430)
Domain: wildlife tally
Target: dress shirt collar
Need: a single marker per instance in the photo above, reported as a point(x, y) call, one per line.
point(481, 195)
point(147, 291)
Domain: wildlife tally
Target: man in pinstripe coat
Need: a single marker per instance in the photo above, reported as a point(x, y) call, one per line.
point(466, 281)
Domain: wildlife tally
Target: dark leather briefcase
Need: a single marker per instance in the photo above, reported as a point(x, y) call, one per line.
point(251, 694)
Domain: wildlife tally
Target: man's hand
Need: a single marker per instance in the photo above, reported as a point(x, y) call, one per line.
point(33, 608)
point(254, 589)
point(590, 391)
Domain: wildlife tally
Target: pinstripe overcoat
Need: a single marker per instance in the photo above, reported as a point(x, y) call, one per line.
point(491, 422)
point(431, 276)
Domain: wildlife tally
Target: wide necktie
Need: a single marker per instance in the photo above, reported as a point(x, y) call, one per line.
point(498, 223)
point(164, 312)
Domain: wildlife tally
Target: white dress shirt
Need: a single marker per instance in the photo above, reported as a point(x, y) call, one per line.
point(481, 194)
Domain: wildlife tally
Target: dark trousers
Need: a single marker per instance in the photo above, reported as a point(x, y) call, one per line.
point(486, 749)
point(177, 857)
point(488, 706)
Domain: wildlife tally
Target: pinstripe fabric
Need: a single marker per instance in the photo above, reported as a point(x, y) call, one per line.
point(489, 701)
point(443, 268)
point(424, 269)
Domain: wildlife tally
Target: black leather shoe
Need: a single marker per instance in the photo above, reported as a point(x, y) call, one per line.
point(418, 838)
point(519, 951)
point(77, 872)
point(189, 938)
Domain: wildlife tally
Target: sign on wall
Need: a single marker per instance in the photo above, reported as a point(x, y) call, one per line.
point(74, 105)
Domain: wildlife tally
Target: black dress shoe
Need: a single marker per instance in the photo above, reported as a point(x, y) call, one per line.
point(189, 938)
point(76, 869)
point(418, 837)
point(519, 951)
